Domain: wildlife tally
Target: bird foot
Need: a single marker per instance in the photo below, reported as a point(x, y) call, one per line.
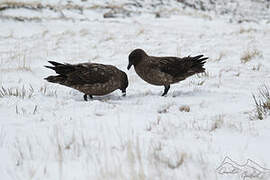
point(85, 97)
point(166, 89)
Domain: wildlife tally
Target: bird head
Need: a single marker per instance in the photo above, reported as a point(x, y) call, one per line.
point(135, 57)
point(124, 83)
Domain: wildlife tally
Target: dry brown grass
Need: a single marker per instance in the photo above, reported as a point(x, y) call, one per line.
point(35, 5)
point(26, 92)
point(248, 30)
point(257, 67)
point(249, 55)
point(23, 65)
point(16, 60)
point(262, 103)
point(218, 121)
point(184, 108)
point(48, 91)
point(17, 92)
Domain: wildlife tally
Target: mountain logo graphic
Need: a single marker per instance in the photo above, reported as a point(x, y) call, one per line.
point(249, 170)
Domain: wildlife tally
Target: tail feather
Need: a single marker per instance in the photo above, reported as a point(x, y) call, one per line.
point(50, 67)
point(59, 68)
point(55, 63)
point(197, 57)
point(198, 63)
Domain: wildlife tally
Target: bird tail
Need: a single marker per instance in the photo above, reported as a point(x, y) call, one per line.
point(197, 63)
point(56, 79)
point(61, 68)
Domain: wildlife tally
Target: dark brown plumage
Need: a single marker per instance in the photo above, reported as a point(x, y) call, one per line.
point(89, 78)
point(163, 71)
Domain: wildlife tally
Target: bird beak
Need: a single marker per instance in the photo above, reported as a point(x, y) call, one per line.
point(124, 93)
point(129, 66)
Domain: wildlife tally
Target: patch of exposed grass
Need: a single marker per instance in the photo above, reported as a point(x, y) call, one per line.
point(48, 92)
point(184, 108)
point(23, 92)
point(262, 103)
point(21, 110)
point(218, 121)
point(249, 55)
point(180, 158)
point(17, 92)
point(23, 66)
point(257, 67)
point(16, 60)
point(248, 30)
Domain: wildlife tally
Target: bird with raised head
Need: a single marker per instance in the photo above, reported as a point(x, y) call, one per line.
point(164, 71)
point(90, 78)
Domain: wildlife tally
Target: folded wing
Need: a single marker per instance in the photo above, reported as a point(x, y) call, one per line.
point(177, 67)
point(79, 74)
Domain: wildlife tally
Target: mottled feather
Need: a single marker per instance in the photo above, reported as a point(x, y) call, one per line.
point(90, 78)
point(165, 70)
point(179, 66)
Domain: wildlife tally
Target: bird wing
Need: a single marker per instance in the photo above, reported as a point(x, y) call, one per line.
point(178, 66)
point(89, 74)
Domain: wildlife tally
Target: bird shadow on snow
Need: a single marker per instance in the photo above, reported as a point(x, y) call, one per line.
point(79, 97)
point(196, 92)
point(173, 94)
point(117, 97)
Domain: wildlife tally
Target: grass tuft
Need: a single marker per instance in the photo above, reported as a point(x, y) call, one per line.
point(47, 91)
point(257, 67)
point(249, 55)
point(184, 108)
point(17, 92)
point(262, 103)
point(23, 92)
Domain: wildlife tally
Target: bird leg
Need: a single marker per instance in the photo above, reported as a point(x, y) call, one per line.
point(85, 97)
point(167, 87)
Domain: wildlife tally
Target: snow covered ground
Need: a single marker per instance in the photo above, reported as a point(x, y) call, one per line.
point(47, 131)
point(233, 10)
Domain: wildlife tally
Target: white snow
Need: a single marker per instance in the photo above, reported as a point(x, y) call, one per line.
point(50, 132)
